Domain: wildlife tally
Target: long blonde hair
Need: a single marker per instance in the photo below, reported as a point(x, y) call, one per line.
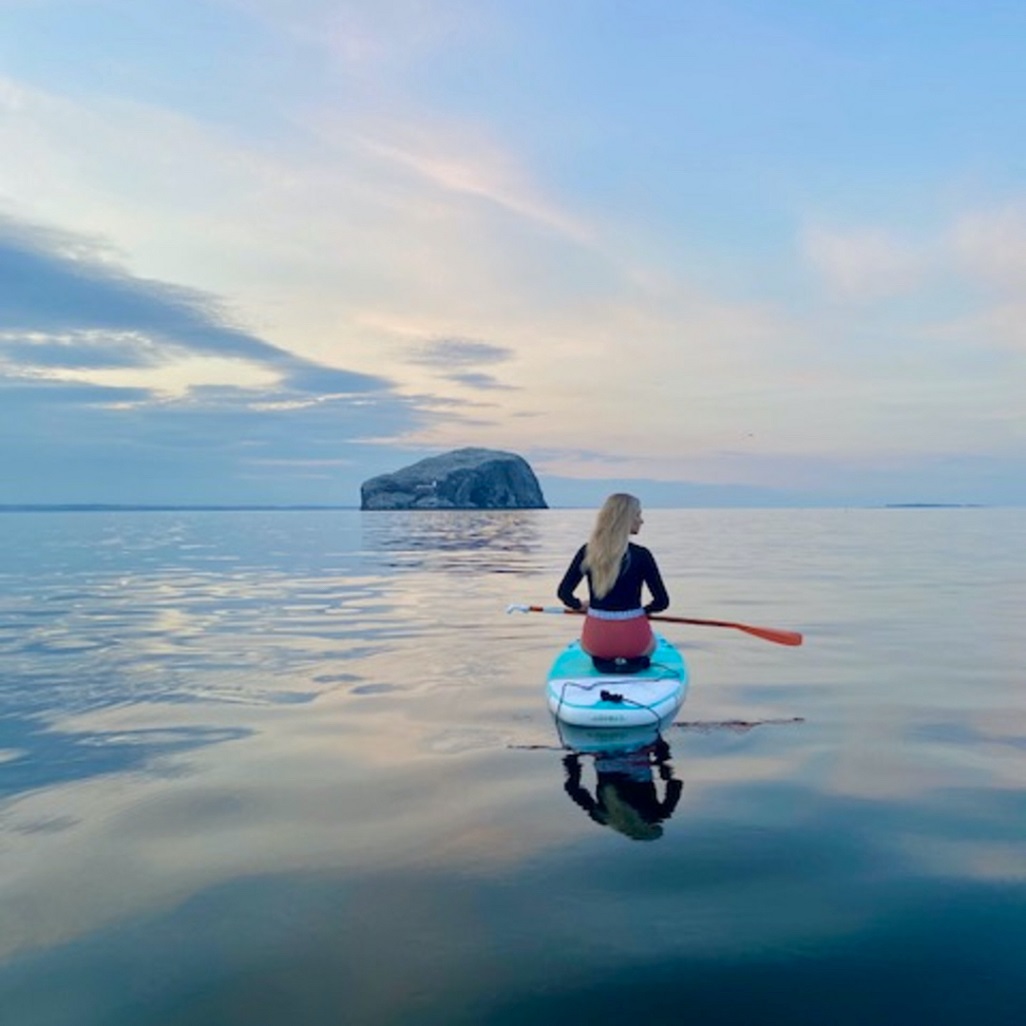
point(608, 541)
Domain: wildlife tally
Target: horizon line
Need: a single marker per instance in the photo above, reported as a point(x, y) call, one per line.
point(129, 507)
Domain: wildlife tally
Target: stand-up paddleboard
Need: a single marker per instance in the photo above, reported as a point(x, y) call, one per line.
point(581, 696)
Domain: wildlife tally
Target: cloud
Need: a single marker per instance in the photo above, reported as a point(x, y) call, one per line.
point(77, 350)
point(476, 379)
point(93, 406)
point(88, 443)
point(991, 245)
point(865, 263)
point(1000, 326)
point(362, 33)
point(456, 360)
point(21, 395)
point(471, 166)
point(63, 307)
point(461, 352)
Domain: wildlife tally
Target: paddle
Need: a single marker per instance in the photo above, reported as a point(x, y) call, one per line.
point(766, 633)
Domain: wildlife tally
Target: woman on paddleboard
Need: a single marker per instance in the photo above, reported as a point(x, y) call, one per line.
point(616, 626)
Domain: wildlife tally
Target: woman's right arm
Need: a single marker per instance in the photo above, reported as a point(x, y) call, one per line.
point(573, 576)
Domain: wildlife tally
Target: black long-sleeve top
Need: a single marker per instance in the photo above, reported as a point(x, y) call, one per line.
point(638, 568)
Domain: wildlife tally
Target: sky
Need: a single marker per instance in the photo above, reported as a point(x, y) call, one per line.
point(713, 252)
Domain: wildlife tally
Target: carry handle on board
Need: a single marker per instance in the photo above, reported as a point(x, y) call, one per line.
point(766, 633)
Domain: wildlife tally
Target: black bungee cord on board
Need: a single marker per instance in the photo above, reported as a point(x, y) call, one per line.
point(611, 696)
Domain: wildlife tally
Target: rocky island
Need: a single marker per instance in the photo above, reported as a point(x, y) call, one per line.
point(461, 479)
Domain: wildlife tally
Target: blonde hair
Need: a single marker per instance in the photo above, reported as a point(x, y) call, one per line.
point(608, 541)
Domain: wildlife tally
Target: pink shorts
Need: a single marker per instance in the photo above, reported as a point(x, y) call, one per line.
point(612, 639)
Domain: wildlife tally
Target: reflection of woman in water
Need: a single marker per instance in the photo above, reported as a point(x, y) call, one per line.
point(625, 797)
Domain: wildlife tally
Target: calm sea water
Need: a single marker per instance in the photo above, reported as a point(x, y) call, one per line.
point(296, 767)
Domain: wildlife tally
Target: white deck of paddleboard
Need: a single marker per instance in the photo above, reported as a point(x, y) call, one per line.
point(581, 696)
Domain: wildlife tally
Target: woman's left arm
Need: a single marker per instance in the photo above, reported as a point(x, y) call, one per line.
point(654, 580)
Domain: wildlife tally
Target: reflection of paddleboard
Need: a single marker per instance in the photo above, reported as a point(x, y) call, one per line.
point(606, 740)
point(580, 696)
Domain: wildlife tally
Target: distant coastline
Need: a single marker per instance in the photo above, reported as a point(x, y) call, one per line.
point(100, 507)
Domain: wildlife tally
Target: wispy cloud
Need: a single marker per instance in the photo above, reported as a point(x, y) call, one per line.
point(477, 380)
point(460, 352)
point(865, 263)
point(474, 167)
point(457, 360)
point(370, 32)
point(991, 245)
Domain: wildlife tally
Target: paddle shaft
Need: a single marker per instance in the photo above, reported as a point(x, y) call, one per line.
point(779, 637)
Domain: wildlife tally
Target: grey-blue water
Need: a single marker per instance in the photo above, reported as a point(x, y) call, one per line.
point(296, 768)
